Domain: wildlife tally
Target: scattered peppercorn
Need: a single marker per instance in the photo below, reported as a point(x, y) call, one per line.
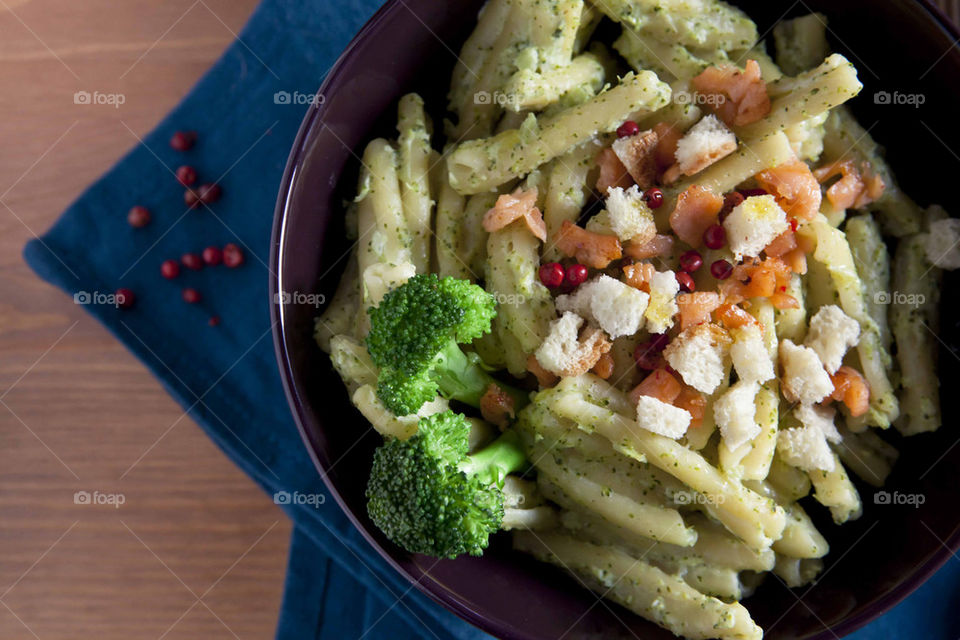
point(124, 298)
point(551, 274)
point(576, 275)
point(213, 256)
point(209, 193)
point(192, 261)
point(653, 197)
point(138, 217)
point(627, 129)
point(170, 269)
point(232, 255)
point(714, 237)
point(186, 175)
point(691, 260)
point(686, 282)
point(721, 269)
point(183, 140)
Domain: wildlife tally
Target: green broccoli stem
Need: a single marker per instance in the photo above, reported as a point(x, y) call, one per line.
point(461, 377)
point(492, 463)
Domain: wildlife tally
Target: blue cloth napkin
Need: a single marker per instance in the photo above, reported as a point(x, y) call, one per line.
point(226, 376)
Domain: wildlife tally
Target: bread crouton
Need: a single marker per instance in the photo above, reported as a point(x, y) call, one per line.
point(663, 301)
point(661, 418)
point(805, 448)
point(630, 217)
point(750, 356)
point(820, 418)
point(698, 355)
point(735, 413)
point(706, 142)
point(638, 153)
point(803, 377)
point(615, 307)
point(565, 353)
point(831, 334)
point(753, 224)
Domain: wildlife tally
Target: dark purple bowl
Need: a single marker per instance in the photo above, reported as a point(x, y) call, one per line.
point(904, 46)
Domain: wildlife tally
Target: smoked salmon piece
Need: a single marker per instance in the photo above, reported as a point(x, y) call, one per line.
point(697, 208)
point(757, 279)
point(782, 244)
point(697, 307)
point(595, 250)
point(854, 189)
point(638, 275)
point(514, 206)
point(660, 385)
point(659, 245)
point(850, 387)
point(612, 172)
point(739, 95)
point(795, 188)
point(694, 403)
point(667, 138)
point(733, 317)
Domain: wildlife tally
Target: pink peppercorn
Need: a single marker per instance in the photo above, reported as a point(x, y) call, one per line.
point(627, 129)
point(691, 260)
point(551, 274)
point(576, 275)
point(170, 269)
point(232, 255)
point(715, 237)
point(138, 217)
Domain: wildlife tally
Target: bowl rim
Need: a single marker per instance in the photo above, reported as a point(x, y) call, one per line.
point(296, 158)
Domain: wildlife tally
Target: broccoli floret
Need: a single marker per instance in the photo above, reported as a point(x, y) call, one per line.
point(428, 496)
point(414, 336)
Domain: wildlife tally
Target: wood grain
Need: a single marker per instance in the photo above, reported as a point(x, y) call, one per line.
point(196, 551)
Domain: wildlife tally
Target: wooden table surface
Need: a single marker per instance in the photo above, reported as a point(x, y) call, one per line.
point(196, 551)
